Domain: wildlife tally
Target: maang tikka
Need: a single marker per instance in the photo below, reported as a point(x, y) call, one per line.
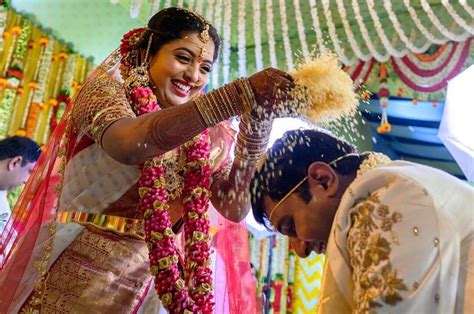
point(204, 38)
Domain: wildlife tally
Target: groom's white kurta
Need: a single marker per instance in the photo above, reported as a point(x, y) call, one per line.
point(401, 242)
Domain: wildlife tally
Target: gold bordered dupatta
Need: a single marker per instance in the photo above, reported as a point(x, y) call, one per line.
point(27, 240)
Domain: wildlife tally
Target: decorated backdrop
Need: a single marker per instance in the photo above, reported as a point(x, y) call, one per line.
point(39, 74)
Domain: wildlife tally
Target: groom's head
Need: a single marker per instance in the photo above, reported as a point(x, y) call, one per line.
point(299, 187)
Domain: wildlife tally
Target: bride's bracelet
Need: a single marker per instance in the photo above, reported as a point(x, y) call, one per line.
point(225, 102)
point(252, 139)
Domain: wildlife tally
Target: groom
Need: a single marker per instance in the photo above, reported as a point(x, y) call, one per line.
point(397, 235)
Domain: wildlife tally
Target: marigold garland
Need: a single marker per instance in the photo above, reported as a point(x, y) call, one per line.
point(193, 291)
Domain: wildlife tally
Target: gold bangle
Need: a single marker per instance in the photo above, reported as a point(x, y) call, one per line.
point(249, 90)
point(212, 112)
point(205, 107)
point(224, 107)
point(243, 97)
point(236, 99)
point(201, 107)
point(196, 103)
point(225, 100)
point(217, 110)
point(229, 99)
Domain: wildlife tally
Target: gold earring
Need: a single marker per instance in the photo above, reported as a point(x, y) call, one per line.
point(139, 75)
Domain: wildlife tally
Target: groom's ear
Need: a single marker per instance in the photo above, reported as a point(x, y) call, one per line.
point(322, 179)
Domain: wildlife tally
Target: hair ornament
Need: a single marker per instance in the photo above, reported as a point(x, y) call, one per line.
point(131, 40)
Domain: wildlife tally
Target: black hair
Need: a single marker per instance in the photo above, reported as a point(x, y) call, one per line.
point(288, 161)
point(15, 146)
point(171, 24)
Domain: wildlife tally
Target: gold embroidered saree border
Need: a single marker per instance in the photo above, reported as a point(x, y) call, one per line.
point(116, 224)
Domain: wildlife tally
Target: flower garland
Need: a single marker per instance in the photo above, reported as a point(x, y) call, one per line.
point(350, 36)
point(333, 35)
point(227, 38)
point(190, 4)
point(40, 78)
point(175, 291)
point(316, 26)
point(291, 281)
point(135, 6)
point(437, 23)
point(241, 40)
point(286, 39)
point(301, 31)
point(217, 22)
point(432, 68)
point(360, 72)
point(271, 35)
point(257, 35)
point(467, 7)
point(199, 5)
point(210, 10)
point(422, 57)
point(380, 32)
point(155, 7)
point(31, 85)
point(372, 161)
point(63, 99)
point(280, 273)
point(14, 75)
point(420, 25)
point(398, 29)
point(353, 71)
point(5, 107)
point(3, 23)
point(365, 35)
point(456, 17)
point(435, 81)
point(15, 32)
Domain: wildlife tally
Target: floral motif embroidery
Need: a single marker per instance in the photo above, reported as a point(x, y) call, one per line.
point(376, 281)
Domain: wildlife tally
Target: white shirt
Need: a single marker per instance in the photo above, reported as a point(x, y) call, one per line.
point(5, 210)
point(402, 242)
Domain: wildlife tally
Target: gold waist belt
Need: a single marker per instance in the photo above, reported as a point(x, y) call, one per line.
point(116, 224)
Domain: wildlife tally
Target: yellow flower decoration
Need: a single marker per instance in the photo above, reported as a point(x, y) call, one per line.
point(43, 41)
point(16, 30)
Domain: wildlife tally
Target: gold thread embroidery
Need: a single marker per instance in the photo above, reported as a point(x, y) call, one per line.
point(94, 262)
point(369, 251)
point(41, 265)
point(100, 102)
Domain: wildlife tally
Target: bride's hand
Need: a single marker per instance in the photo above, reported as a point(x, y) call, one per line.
point(272, 89)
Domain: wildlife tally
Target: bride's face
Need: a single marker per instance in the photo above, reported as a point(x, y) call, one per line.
point(180, 71)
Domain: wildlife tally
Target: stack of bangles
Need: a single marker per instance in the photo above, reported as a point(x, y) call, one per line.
point(225, 102)
point(252, 139)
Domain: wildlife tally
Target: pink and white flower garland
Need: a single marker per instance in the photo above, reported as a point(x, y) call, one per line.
point(333, 35)
point(316, 26)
